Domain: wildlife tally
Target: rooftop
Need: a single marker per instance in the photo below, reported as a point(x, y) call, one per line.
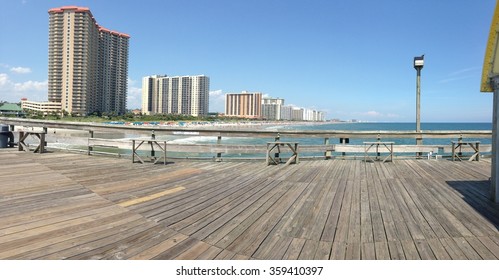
point(87, 10)
point(10, 107)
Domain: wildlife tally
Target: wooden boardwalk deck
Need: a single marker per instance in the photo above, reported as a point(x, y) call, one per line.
point(70, 206)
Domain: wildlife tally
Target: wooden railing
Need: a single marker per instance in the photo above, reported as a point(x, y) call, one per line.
point(331, 139)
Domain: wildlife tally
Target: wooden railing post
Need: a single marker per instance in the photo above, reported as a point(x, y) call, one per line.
point(90, 147)
point(153, 153)
point(327, 153)
point(276, 155)
point(219, 155)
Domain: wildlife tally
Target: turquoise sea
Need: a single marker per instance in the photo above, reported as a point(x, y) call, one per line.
point(374, 126)
point(365, 126)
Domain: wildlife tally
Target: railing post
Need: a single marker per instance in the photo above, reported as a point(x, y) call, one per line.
point(219, 155)
point(327, 153)
point(90, 148)
point(153, 153)
point(344, 141)
point(378, 154)
point(276, 155)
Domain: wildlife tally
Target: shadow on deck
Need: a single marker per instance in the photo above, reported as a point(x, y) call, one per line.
point(476, 194)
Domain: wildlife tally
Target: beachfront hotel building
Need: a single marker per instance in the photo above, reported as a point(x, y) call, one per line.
point(292, 113)
point(244, 105)
point(184, 95)
point(271, 108)
point(88, 64)
point(43, 107)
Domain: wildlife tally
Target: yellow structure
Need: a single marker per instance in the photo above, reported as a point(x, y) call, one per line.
point(490, 64)
point(490, 82)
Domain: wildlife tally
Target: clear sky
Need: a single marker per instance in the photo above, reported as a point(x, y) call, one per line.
point(352, 59)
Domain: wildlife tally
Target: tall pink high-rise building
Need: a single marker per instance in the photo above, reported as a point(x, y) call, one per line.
point(88, 64)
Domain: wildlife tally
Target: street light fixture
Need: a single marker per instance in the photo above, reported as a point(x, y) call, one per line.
point(418, 65)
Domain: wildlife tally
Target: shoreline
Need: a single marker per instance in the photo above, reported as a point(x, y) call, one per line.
point(218, 124)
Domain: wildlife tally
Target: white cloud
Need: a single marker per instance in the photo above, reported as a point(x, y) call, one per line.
point(134, 97)
point(21, 70)
point(372, 114)
point(375, 115)
point(217, 101)
point(31, 86)
point(13, 91)
point(216, 92)
point(4, 80)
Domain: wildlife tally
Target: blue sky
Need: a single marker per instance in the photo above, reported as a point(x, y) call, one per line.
point(351, 59)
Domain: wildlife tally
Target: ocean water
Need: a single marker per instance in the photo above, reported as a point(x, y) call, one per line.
point(382, 126)
point(346, 127)
point(386, 126)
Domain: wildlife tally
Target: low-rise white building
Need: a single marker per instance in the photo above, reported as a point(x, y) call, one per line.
point(46, 107)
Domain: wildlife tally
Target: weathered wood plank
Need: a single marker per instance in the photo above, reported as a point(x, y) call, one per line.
point(438, 249)
point(368, 251)
point(424, 249)
point(156, 250)
point(323, 250)
point(483, 251)
point(294, 249)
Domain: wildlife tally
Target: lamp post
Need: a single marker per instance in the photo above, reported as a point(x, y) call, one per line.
point(418, 65)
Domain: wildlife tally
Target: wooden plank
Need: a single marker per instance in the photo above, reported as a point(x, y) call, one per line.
point(354, 227)
point(194, 251)
point(309, 250)
point(453, 249)
point(225, 255)
point(56, 230)
point(209, 254)
point(175, 251)
point(490, 245)
point(218, 221)
point(366, 234)
point(156, 250)
point(341, 234)
point(368, 251)
point(338, 251)
point(424, 249)
point(77, 242)
point(382, 251)
point(273, 248)
point(323, 250)
point(329, 232)
point(438, 249)
point(386, 212)
point(353, 251)
point(377, 220)
point(225, 234)
point(396, 250)
point(294, 249)
point(410, 250)
point(249, 241)
point(150, 197)
point(483, 251)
